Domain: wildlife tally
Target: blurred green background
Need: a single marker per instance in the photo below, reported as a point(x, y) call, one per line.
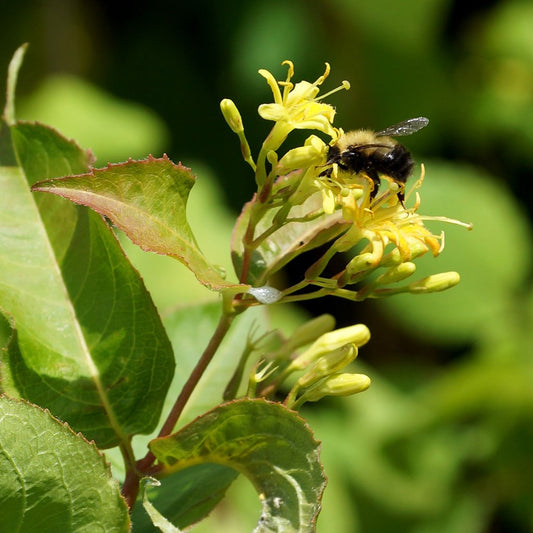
point(443, 440)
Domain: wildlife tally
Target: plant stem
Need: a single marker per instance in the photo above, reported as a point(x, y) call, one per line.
point(223, 326)
point(130, 488)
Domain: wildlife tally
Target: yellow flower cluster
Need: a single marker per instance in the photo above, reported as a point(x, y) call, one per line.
point(394, 234)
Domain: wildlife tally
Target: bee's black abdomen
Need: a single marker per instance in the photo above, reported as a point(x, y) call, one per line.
point(397, 163)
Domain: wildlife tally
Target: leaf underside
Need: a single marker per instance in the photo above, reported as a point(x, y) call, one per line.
point(147, 200)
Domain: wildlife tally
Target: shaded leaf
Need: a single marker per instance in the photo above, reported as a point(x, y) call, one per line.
point(304, 233)
point(269, 444)
point(187, 496)
point(147, 200)
point(51, 479)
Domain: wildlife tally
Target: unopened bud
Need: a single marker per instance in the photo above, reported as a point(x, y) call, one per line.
point(357, 335)
point(328, 364)
point(361, 262)
point(339, 385)
point(396, 273)
point(435, 283)
point(232, 115)
point(310, 331)
point(393, 258)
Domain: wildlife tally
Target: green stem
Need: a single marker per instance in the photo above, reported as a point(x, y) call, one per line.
point(308, 296)
point(249, 245)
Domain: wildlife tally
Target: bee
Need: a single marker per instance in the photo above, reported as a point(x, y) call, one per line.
point(376, 154)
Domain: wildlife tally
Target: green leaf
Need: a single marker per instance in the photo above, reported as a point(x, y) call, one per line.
point(155, 516)
point(147, 200)
point(187, 496)
point(12, 75)
point(269, 444)
point(306, 232)
point(52, 479)
point(90, 344)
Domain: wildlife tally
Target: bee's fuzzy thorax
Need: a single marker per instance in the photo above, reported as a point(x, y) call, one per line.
point(361, 137)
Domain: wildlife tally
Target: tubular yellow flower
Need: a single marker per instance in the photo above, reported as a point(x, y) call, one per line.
point(383, 221)
point(298, 107)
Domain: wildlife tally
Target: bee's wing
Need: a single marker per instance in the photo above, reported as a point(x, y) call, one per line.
point(406, 127)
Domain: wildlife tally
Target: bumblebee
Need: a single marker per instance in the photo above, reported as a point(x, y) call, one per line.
point(376, 154)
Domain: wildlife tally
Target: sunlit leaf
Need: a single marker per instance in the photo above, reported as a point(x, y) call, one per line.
point(75, 302)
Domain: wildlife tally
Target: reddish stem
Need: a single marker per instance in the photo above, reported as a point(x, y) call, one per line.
point(143, 467)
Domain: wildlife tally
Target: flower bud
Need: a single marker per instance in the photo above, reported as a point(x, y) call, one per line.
point(310, 331)
point(435, 283)
point(392, 258)
point(361, 263)
point(339, 385)
point(232, 115)
point(396, 273)
point(328, 364)
point(356, 335)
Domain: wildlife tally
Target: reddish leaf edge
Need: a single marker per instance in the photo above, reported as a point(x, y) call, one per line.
point(48, 186)
point(91, 158)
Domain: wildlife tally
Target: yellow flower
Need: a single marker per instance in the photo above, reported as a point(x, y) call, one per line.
point(298, 107)
point(382, 221)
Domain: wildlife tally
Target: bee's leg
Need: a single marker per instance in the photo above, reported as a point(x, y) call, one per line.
point(401, 197)
point(374, 176)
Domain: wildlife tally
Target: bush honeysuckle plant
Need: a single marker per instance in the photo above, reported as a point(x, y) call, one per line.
point(86, 361)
